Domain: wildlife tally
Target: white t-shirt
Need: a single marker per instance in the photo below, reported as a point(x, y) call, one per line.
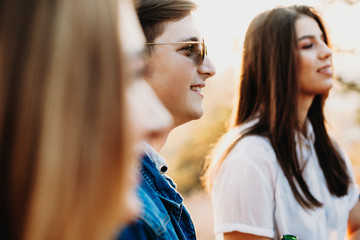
point(251, 194)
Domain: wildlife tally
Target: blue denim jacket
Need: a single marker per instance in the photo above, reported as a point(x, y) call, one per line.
point(164, 215)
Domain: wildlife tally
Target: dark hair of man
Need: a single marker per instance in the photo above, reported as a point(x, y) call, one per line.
point(154, 13)
point(269, 91)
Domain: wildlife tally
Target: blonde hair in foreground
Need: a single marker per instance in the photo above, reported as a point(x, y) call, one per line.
point(63, 137)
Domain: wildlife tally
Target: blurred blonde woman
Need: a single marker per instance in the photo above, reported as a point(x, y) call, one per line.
point(66, 141)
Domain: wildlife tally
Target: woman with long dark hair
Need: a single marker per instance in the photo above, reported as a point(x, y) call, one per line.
point(277, 171)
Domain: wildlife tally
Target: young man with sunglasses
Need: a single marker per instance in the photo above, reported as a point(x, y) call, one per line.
point(177, 68)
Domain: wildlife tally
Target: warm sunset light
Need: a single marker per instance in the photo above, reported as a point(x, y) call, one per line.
point(223, 24)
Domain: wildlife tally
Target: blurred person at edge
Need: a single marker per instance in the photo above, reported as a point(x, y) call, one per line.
point(176, 69)
point(67, 96)
point(277, 171)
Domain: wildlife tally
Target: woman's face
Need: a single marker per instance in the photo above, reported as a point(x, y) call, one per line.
point(174, 74)
point(149, 119)
point(315, 72)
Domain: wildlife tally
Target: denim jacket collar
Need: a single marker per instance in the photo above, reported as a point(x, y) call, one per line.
point(154, 156)
point(158, 181)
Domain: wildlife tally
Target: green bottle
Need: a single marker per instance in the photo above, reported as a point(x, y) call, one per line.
point(289, 237)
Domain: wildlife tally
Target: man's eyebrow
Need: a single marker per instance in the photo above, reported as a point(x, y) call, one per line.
point(190, 39)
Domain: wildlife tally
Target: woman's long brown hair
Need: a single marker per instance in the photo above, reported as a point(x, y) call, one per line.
point(269, 92)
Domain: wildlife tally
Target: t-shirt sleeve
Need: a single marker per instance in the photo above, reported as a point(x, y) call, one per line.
point(243, 190)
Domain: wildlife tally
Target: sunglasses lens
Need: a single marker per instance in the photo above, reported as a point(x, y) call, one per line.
point(203, 53)
point(197, 50)
point(200, 53)
point(197, 53)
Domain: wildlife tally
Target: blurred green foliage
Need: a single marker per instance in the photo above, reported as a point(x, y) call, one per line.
point(189, 162)
point(350, 86)
point(188, 156)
